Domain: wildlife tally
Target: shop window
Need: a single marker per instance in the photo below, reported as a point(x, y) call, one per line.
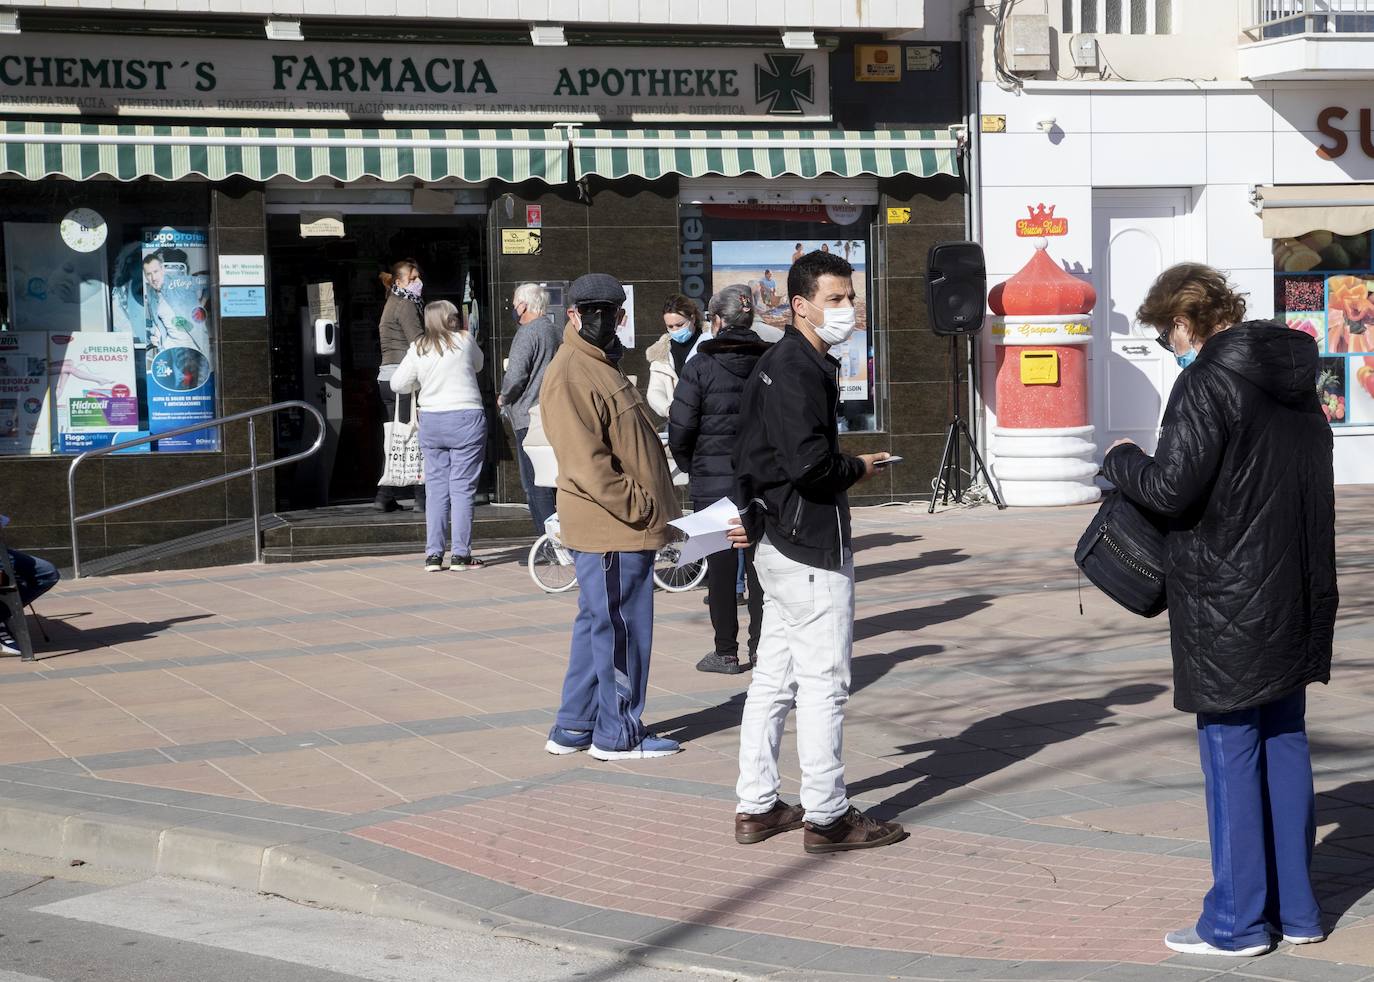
point(107, 329)
point(723, 244)
point(1322, 286)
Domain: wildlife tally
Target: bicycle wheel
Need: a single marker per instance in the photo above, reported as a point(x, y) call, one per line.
point(551, 568)
point(674, 578)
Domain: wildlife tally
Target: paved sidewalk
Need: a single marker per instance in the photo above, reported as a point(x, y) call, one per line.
point(391, 723)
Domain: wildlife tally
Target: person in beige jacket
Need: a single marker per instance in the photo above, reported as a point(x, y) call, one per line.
point(615, 499)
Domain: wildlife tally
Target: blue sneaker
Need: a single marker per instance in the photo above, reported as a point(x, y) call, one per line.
point(563, 741)
point(1188, 942)
point(650, 746)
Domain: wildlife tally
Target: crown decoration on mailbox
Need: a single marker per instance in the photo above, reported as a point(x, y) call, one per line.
point(1041, 222)
point(1042, 288)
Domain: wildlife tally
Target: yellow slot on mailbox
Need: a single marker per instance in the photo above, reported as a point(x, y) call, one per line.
point(1039, 368)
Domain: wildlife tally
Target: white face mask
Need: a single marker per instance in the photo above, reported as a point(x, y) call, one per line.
point(838, 327)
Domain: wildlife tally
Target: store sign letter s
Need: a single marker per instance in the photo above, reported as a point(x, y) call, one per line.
point(1327, 124)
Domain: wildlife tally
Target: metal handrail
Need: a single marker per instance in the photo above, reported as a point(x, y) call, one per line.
point(251, 471)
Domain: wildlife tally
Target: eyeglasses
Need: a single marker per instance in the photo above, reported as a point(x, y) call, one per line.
point(1163, 339)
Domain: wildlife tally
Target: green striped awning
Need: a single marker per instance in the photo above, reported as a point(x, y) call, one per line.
point(771, 153)
point(86, 150)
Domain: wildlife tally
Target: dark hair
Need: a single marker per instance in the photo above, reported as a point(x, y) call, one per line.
point(397, 268)
point(684, 306)
point(734, 305)
point(151, 256)
point(1196, 292)
point(807, 271)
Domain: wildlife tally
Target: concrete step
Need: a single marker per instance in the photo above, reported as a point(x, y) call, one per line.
point(345, 531)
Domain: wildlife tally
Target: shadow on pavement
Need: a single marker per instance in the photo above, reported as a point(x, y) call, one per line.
point(894, 567)
point(1343, 862)
point(915, 618)
point(877, 540)
point(992, 744)
point(67, 640)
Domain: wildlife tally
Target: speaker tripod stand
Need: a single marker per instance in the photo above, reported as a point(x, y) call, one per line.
point(951, 474)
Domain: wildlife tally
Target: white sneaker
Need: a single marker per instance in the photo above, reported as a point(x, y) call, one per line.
point(1187, 942)
point(1304, 938)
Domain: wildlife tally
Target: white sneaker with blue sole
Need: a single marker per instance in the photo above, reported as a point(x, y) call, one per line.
point(1188, 942)
point(650, 746)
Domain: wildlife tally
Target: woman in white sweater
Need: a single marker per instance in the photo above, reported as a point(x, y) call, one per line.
point(442, 366)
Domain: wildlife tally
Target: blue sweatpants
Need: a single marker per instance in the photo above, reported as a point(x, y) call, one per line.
point(608, 668)
point(453, 444)
point(1261, 815)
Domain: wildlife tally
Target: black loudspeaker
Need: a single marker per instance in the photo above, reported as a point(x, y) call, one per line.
point(956, 288)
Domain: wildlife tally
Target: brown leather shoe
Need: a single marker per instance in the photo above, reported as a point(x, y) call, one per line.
point(755, 828)
point(852, 830)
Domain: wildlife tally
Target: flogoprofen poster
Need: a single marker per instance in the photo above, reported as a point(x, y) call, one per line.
point(176, 301)
point(25, 415)
point(94, 387)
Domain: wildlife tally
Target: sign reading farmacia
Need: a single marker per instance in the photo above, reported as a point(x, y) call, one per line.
point(188, 77)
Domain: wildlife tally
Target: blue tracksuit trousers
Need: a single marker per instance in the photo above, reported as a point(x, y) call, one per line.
point(1261, 816)
point(608, 667)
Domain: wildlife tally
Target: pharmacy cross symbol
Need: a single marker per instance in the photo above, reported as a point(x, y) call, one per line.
point(784, 84)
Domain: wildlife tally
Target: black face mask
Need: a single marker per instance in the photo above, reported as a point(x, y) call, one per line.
point(598, 326)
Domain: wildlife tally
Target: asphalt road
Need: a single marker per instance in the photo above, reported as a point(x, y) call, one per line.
point(59, 924)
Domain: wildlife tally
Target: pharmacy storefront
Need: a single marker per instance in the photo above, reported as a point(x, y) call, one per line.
point(195, 226)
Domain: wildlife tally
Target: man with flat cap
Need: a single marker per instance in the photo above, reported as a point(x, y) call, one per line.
point(615, 499)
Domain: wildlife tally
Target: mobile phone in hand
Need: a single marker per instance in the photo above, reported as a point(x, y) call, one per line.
point(887, 462)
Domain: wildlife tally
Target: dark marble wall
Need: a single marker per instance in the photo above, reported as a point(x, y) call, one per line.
point(33, 490)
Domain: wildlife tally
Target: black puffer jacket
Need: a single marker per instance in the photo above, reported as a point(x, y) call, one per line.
point(1243, 472)
point(704, 418)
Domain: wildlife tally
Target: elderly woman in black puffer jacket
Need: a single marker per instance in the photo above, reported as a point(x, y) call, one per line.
point(1243, 475)
point(702, 423)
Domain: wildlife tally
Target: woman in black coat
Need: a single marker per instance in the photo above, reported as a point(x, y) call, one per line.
point(702, 423)
point(1243, 475)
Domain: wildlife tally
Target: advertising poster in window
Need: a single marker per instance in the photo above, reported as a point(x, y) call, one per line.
point(52, 286)
point(25, 415)
point(94, 387)
point(176, 303)
point(763, 266)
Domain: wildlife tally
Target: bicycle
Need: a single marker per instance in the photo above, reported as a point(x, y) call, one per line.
point(551, 565)
point(550, 562)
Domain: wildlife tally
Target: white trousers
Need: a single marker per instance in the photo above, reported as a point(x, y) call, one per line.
point(803, 660)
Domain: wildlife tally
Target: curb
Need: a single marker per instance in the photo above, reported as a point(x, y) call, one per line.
point(302, 875)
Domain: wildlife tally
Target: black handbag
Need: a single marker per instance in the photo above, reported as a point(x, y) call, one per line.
point(1122, 554)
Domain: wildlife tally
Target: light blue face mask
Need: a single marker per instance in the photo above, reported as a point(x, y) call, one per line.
point(681, 335)
point(1187, 358)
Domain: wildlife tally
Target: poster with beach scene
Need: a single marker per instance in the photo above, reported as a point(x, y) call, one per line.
point(762, 265)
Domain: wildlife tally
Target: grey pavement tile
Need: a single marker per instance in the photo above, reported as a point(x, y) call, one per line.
point(208, 751)
point(282, 743)
point(275, 833)
point(1291, 969)
point(55, 765)
point(1034, 971)
point(947, 968)
point(1129, 972)
point(865, 961)
point(76, 673)
point(786, 952)
point(545, 910)
point(618, 924)
point(446, 724)
point(477, 891)
point(425, 806)
point(699, 938)
point(367, 734)
point(527, 717)
point(124, 758)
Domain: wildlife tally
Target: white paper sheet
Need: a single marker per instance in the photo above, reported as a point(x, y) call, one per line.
point(706, 531)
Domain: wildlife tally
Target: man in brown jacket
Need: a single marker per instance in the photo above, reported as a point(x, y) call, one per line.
point(615, 499)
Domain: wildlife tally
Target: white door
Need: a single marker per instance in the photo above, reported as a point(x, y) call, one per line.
point(1136, 235)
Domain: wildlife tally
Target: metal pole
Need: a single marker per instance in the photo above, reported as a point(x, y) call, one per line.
point(253, 481)
point(71, 518)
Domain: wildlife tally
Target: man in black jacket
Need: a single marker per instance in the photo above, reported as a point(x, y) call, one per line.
point(791, 481)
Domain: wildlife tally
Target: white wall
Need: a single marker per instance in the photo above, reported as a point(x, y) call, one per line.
point(886, 15)
point(1216, 141)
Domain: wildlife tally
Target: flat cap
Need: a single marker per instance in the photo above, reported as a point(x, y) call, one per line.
point(596, 288)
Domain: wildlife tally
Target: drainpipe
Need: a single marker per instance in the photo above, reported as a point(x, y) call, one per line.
point(973, 203)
